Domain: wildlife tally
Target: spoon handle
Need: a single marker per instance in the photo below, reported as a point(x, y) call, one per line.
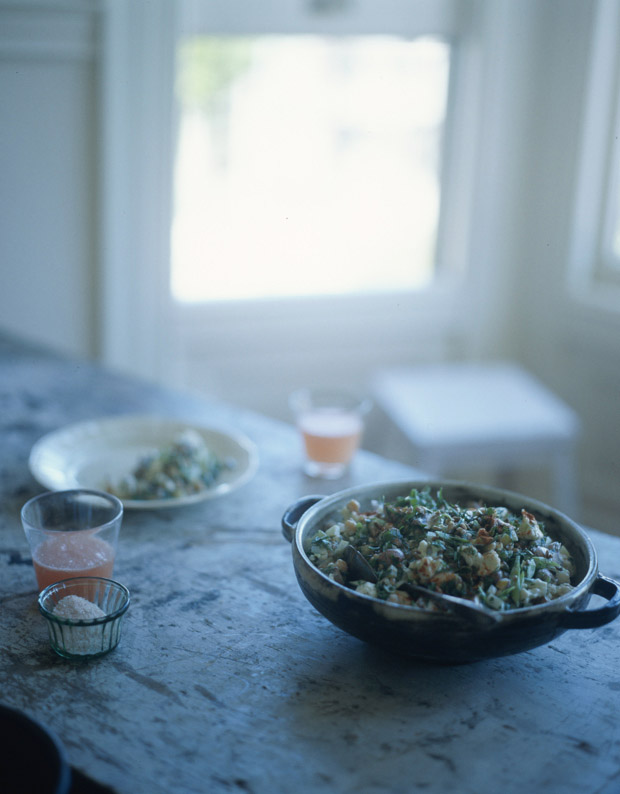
point(468, 609)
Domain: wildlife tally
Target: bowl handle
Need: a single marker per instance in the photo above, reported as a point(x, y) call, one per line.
point(295, 512)
point(592, 618)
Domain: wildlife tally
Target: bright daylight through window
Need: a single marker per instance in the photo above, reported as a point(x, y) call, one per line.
point(610, 230)
point(614, 200)
point(307, 165)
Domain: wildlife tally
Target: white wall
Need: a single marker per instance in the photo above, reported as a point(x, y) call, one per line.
point(48, 167)
point(51, 246)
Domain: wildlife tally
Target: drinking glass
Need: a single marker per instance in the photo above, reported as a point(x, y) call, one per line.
point(331, 422)
point(72, 533)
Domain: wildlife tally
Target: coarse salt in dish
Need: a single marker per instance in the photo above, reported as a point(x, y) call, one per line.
point(77, 608)
point(82, 640)
point(84, 615)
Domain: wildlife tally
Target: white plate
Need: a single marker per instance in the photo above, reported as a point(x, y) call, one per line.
point(88, 454)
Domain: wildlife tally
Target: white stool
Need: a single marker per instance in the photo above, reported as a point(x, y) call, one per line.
point(474, 415)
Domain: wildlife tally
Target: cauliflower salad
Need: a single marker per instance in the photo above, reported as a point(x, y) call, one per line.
point(181, 468)
point(490, 555)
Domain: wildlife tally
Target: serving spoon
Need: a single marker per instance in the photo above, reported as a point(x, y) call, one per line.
point(360, 568)
point(460, 606)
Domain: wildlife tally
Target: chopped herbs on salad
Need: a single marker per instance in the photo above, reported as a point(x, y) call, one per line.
point(490, 555)
point(184, 467)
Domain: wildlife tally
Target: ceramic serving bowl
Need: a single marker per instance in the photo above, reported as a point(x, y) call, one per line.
point(449, 637)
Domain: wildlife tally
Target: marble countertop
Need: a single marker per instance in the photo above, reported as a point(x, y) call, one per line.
point(227, 679)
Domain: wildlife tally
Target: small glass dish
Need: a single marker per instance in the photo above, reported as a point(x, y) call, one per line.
point(79, 636)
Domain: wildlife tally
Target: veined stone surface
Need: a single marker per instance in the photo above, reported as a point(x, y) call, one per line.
point(226, 679)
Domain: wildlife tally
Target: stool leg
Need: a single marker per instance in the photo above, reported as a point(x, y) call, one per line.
point(565, 486)
point(507, 478)
point(429, 463)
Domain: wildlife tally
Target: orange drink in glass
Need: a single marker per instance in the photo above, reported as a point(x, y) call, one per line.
point(331, 424)
point(72, 533)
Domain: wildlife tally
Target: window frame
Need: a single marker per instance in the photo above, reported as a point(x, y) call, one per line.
point(144, 332)
point(594, 273)
point(609, 261)
point(363, 316)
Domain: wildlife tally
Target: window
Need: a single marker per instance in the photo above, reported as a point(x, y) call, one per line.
point(596, 244)
point(307, 165)
point(322, 194)
point(611, 229)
